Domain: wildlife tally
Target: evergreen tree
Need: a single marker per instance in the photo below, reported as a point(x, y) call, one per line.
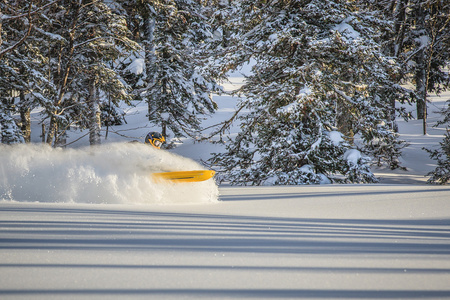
point(176, 85)
point(86, 38)
point(318, 69)
point(22, 81)
point(441, 174)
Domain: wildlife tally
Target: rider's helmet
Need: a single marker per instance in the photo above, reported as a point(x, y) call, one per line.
point(155, 139)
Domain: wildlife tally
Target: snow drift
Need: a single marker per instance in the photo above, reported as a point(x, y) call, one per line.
point(112, 173)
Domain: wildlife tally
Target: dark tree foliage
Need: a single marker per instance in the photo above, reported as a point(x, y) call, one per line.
point(318, 69)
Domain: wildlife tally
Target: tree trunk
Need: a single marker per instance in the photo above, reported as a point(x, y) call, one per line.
point(65, 57)
point(25, 119)
point(421, 90)
point(399, 31)
point(1, 23)
point(52, 128)
point(421, 62)
point(399, 26)
point(61, 139)
point(391, 116)
point(26, 124)
point(343, 122)
point(149, 30)
point(43, 133)
point(94, 115)
point(164, 130)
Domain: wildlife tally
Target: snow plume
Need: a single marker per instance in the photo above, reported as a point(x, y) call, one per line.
point(112, 173)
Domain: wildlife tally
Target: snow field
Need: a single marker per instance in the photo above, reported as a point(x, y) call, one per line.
point(112, 173)
point(297, 242)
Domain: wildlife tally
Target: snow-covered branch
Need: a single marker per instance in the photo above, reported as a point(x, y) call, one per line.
point(134, 47)
point(225, 124)
point(30, 26)
point(343, 95)
point(28, 14)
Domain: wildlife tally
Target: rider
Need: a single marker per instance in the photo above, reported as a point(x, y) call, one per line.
point(155, 139)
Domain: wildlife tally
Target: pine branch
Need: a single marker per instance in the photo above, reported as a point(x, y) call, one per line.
point(30, 26)
point(226, 125)
point(30, 13)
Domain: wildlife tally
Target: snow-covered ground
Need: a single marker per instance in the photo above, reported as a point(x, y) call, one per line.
point(89, 223)
point(296, 242)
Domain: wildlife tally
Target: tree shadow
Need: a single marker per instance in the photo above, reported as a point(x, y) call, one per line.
point(237, 293)
point(283, 194)
point(102, 229)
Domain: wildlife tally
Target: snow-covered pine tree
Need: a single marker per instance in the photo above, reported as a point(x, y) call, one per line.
point(177, 87)
point(87, 38)
point(315, 61)
point(389, 19)
point(441, 174)
point(22, 83)
point(420, 41)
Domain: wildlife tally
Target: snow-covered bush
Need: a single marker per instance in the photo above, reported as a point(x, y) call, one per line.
point(357, 167)
point(385, 147)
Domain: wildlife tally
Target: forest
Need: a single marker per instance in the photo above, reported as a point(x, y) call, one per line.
point(328, 77)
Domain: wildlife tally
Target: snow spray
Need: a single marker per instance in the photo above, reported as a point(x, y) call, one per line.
point(110, 173)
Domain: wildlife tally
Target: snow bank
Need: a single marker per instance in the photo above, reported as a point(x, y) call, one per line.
point(113, 173)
